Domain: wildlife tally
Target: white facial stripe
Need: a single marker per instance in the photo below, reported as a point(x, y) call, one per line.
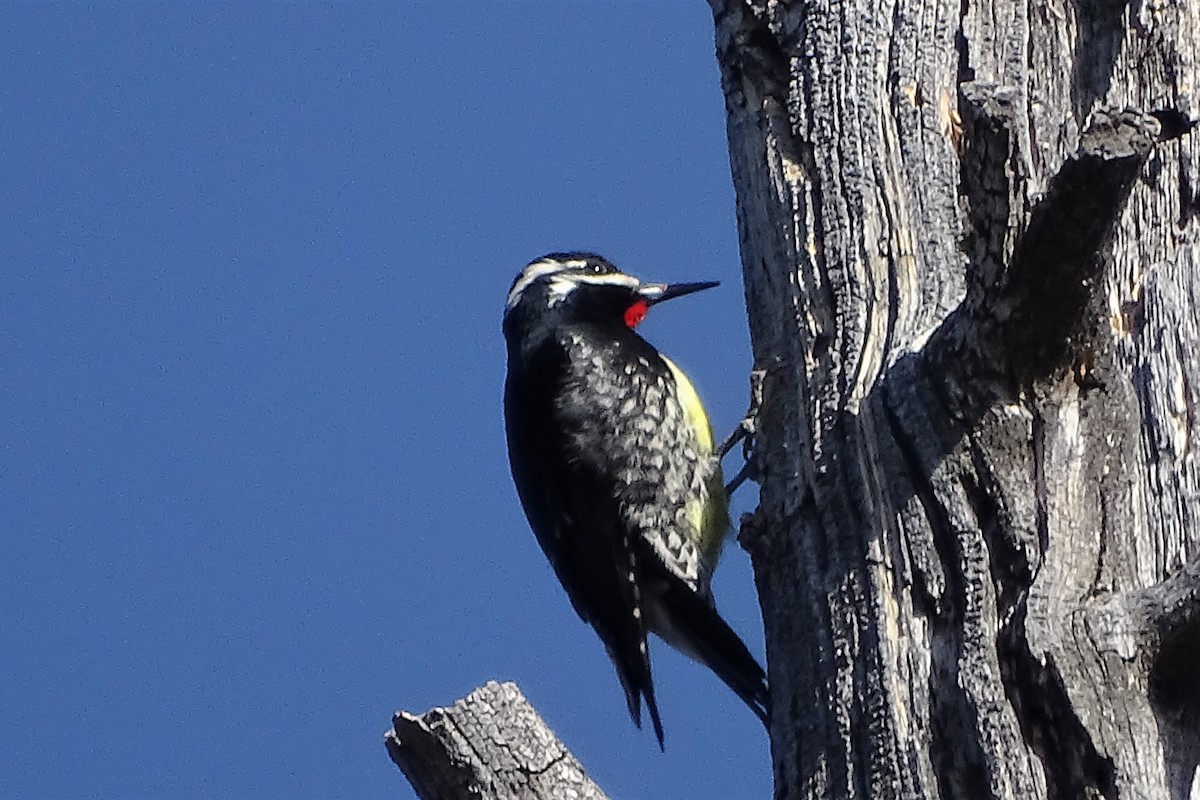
point(562, 285)
point(614, 279)
point(528, 276)
point(531, 273)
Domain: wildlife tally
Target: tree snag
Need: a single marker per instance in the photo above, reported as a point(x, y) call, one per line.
point(969, 267)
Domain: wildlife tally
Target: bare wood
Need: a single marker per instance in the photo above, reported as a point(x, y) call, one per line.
point(971, 277)
point(491, 744)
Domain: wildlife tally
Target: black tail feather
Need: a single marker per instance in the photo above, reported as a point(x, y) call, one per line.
point(634, 671)
point(707, 637)
point(655, 720)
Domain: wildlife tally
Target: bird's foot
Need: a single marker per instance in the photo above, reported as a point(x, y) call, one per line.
point(745, 433)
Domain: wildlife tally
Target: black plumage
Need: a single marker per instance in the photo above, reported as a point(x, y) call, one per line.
point(616, 473)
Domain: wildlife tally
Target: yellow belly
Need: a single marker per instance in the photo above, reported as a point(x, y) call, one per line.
point(709, 514)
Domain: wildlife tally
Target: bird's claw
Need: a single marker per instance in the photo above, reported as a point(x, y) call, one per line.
point(745, 433)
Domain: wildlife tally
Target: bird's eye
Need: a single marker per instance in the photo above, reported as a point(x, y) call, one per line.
point(597, 268)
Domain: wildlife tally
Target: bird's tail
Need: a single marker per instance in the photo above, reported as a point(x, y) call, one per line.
point(694, 627)
point(633, 668)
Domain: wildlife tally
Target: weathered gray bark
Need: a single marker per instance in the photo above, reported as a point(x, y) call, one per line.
point(491, 744)
point(973, 291)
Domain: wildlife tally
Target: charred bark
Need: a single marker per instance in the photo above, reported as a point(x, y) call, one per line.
point(969, 239)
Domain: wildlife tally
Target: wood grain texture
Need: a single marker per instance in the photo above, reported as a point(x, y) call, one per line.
point(491, 745)
point(970, 254)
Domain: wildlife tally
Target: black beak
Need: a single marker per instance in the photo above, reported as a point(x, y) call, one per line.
point(655, 293)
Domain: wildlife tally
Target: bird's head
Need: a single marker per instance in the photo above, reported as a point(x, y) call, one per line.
point(584, 287)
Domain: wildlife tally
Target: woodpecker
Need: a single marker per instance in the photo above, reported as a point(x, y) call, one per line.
point(612, 455)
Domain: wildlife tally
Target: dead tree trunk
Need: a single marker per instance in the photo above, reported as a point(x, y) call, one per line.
point(971, 242)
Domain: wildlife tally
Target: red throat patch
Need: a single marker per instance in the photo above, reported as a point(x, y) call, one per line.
point(636, 313)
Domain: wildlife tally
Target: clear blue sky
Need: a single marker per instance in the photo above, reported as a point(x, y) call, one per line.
point(253, 488)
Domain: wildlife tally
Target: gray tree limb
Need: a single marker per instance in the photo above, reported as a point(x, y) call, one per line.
point(491, 744)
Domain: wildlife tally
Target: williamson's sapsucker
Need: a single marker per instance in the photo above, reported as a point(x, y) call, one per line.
point(612, 455)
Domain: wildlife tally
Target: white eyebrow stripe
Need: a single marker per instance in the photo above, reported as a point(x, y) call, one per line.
point(562, 286)
point(531, 273)
point(611, 279)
